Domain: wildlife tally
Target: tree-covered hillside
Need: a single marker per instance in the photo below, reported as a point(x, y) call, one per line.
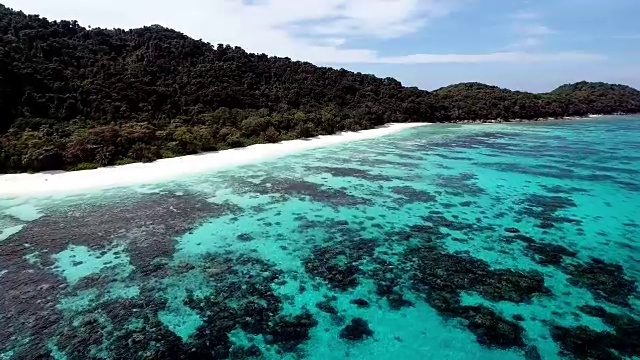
point(74, 98)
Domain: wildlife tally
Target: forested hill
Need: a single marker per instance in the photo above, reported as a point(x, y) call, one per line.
point(75, 98)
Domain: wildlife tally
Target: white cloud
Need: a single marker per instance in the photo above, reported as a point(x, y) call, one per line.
point(313, 30)
point(379, 18)
point(525, 15)
point(530, 36)
point(332, 41)
point(527, 42)
point(534, 29)
point(506, 56)
point(628, 37)
point(529, 28)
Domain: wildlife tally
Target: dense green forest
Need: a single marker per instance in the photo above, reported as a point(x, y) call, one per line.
point(76, 98)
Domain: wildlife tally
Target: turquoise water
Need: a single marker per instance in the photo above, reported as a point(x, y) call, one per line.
point(469, 242)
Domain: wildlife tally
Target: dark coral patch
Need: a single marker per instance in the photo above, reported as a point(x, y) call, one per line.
point(543, 253)
point(441, 221)
point(287, 332)
point(582, 342)
point(547, 170)
point(531, 353)
point(441, 272)
point(550, 204)
point(411, 195)
point(146, 223)
point(357, 330)
point(244, 237)
point(327, 307)
point(463, 185)
point(549, 254)
point(565, 190)
point(422, 231)
point(585, 343)
point(338, 265)
point(246, 352)
point(441, 277)
point(350, 172)
point(492, 330)
point(82, 335)
point(327, 265)
point(359, 302)
point(387, 288)
point(545, 208)
point(482, 140)
point(605, 281)
point(284, 188)
point(244, 299)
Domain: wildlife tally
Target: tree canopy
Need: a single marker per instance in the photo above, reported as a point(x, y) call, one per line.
point(75, 98)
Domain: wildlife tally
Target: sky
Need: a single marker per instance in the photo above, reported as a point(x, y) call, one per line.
point(532, 45)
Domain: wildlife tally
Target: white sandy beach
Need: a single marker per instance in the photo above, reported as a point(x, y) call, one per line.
point(13, 185)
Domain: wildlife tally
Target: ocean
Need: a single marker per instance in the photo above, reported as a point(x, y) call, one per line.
point(463, 242)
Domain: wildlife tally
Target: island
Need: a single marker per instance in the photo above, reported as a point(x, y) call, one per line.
point(73, 98)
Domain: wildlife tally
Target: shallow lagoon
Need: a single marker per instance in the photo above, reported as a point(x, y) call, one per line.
point(513, 241)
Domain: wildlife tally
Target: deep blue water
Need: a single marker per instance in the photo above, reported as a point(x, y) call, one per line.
point(517, 241)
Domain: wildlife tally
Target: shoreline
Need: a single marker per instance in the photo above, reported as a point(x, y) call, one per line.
point(50, 183)
point(538, 120)
point(74, 182)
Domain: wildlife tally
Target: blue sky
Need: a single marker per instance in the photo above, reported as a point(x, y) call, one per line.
point(605, 29)
point(520, 44)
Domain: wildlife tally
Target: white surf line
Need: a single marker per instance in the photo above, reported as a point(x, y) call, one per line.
point(14, 185)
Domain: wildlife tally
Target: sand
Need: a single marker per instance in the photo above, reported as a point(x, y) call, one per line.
point(14, 185)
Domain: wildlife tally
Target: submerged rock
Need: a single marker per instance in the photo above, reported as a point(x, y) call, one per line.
point(357, 330)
